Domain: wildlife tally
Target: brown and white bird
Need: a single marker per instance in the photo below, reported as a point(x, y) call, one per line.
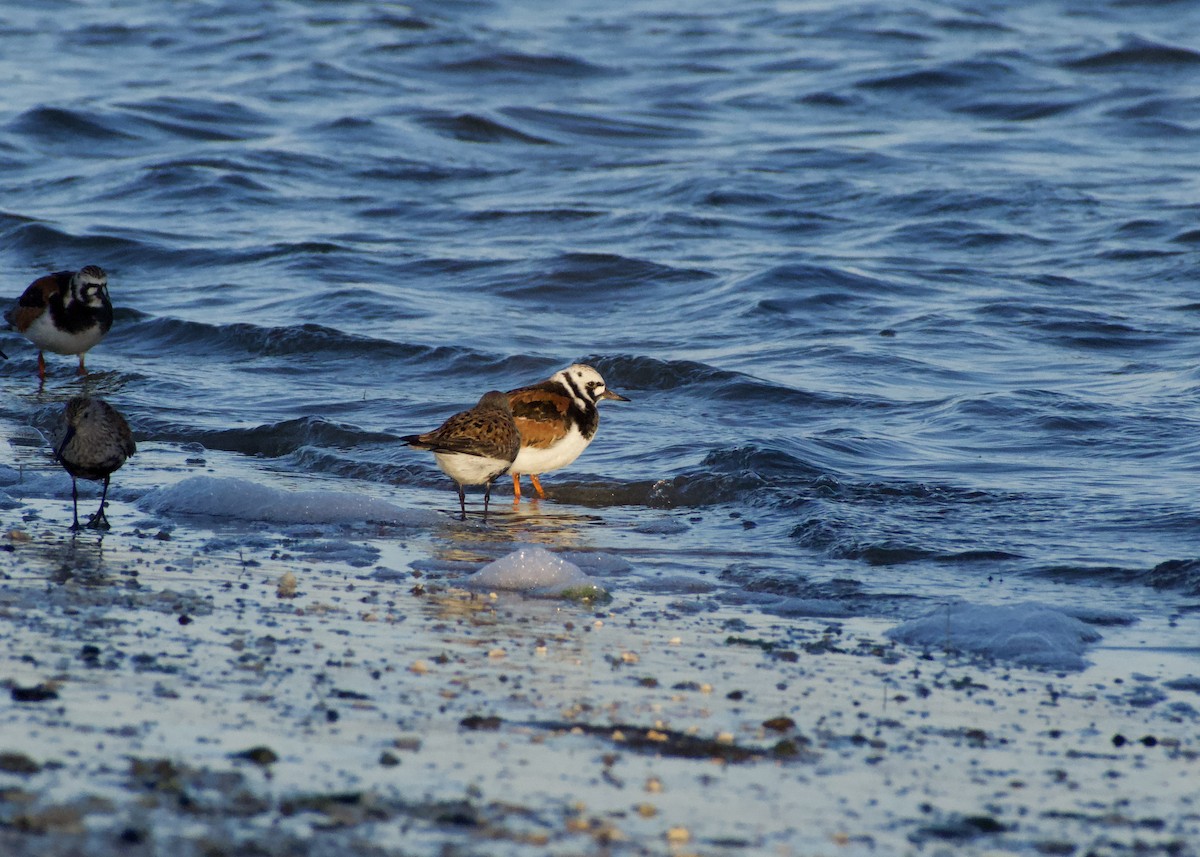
point(474, 447)
point(557, 419)
point(95, 443)
point(67, 312)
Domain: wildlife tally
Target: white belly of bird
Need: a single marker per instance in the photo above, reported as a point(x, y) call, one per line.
point(470, 469)
point(533, 460)
point(47, 337)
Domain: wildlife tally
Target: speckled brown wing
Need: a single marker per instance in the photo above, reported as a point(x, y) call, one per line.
point(487, 433)
point(36, 298)
point(542, 414)
point(486, 430)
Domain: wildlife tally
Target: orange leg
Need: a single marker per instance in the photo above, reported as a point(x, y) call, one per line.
point(516, 487)
point(538, 485)
point(41, 367)
point(82, 368)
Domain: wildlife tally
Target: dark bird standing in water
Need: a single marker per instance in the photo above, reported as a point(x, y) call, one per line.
point(474, 447)
point(95, 444)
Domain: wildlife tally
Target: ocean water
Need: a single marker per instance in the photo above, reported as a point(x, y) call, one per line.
point(904, 295)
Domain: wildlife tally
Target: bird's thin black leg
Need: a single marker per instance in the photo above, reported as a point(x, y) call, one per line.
point(99, 521)
point(462, 502)
point(487, 493)
point(74, 504)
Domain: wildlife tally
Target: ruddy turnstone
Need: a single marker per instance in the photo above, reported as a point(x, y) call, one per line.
point(95, 443)
point(474, 447)
point(557, 420)
point(67, 312)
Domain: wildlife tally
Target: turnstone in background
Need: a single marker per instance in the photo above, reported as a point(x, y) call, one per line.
point(67, 312)
point(557, 420)
point(96, 441)
point(474, 447)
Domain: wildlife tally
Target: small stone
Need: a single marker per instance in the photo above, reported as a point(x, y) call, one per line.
point(389, 759)
point(780, 724)
point(489, 723)
point(286, 587)
point(678, 835)
point(37, 693)
point(18, 763)
point(259, 755)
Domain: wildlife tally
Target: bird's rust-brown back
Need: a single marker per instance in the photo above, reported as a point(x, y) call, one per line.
point(35, 299)
point(541, 412)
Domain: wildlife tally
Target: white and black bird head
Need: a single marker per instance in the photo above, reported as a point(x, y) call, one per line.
point(585, 386)
point(89, 286)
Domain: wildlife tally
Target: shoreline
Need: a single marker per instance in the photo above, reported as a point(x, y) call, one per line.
point(196, 711)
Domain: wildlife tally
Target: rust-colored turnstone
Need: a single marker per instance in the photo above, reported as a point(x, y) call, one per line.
point(557, 420)
point(67, 312)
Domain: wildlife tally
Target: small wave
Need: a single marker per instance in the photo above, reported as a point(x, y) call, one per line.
point(602, 128)
point(271, 440)
point(960, 234)
point(760, 464)
point(402, 18)
point(756, 578)
point(204, 119)
point(1182, 575)
point(150, 337)
point(652, 373)
point(752, 474)
point(685, 491)
point(535, 215)
point(590, 277)
point(958, 76)
point(843, 541)
point(397, 169)
point(1137, 55)
point(312, 459)
point(472, 128)
point(1018, 111)
point(896, 522)
point(39, 240)
point(506, 65)
point(85, 133)
point(1103, 335)
point(917, 80)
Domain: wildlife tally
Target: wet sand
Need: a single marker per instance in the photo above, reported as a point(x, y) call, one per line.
point(167, 696)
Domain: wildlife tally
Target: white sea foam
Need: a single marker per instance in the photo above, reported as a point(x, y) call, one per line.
point(226, 497)
point(534, 571)
point(1029, 635)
